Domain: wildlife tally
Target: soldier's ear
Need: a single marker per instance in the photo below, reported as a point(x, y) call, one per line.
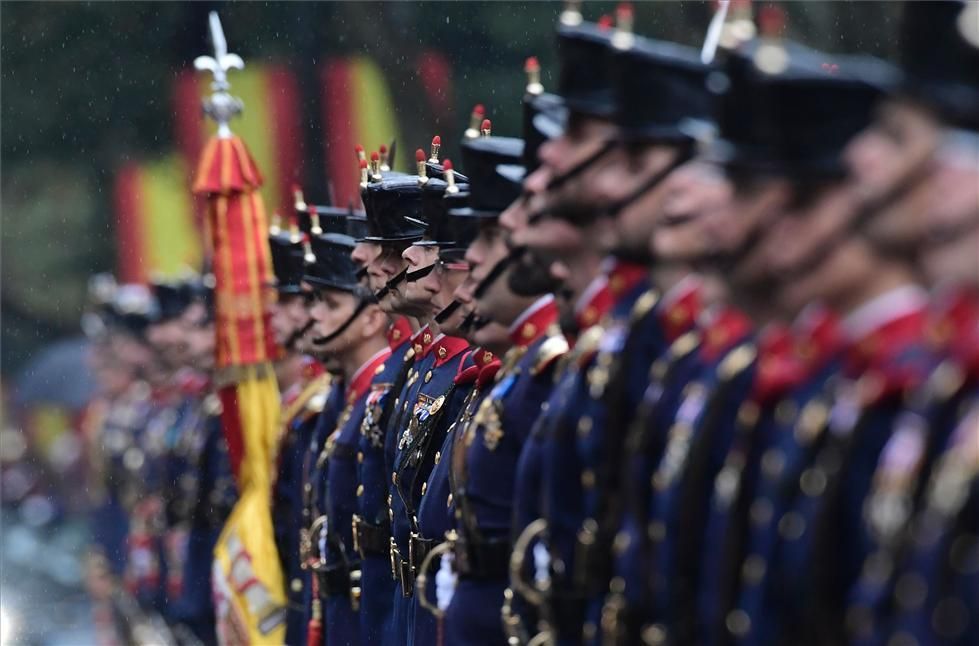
point(375, 322)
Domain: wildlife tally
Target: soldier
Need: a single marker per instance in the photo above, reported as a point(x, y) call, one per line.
point(351, 329)
point(914, 572)
point(305, 389)
point(488, 444)
point(796, 211)
point(203, 494)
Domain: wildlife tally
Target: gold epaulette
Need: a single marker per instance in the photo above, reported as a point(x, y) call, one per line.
point(643, 305)
point(587, 345)
point(553, 348)
point(737, 361)
point(311, 400)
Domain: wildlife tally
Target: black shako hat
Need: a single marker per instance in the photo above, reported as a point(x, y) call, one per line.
point(544, 118)
point(389, 202)
point(286, 248)
point(787, 110)
point(172, 297)
point(452, 235)
point(330, 265)
point(661, 92)
point(584, 51)
point(496, 174)
point(940, 58)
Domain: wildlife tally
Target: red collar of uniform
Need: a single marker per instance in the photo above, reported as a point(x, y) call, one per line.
point(482, 358)
point(446, 347)
point(726, 327)
point(594, 303)
point(680, 307)
point(818, 337)
point(954, 315)
point(399, 332)
point(534, 321)
point(487, 373)
point(192, 383)
point(779, 369)
point(421, 341)
point(883, 328)
point(310, 367)
point(361, 380)
point(624, 276)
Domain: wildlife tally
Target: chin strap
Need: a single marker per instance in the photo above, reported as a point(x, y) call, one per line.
point(290, 343)
point(494, 274)
point(447, 312)
point(583, 215)
point(361, 306)
point(413, 276)
point(560, 180)
point(391, 284)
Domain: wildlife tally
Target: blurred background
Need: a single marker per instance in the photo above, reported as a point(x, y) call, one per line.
point(100, 129)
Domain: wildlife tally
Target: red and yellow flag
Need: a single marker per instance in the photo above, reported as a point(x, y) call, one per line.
point(156, 232)
point(247, 578)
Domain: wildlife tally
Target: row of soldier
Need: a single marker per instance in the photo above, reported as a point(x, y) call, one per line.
point(692, 362)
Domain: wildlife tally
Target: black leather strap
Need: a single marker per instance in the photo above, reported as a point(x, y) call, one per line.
point(371, 540)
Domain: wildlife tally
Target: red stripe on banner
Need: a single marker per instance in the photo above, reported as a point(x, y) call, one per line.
point(189, 129)
point(231, 427)
point(288, 140)
point(129, 225)
point(436, 77)
point(339, 125)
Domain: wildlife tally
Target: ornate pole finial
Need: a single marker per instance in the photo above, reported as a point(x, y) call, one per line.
point(220, 106)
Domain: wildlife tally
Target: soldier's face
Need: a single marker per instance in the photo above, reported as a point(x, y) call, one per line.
point(415, 292)
point(755, 203)
point(694, 192)
point(168, 340)
point(626, 173)
point(387, 264)
point(887, 155)
point(442, 283)
point(289, 315)
point(951, 220)
point(493, 336)
point(497, 302)
point(364, 254)
point(331, 309)
point(583, 139)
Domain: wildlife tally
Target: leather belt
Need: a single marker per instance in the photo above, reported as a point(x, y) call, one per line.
point(335, 580)
point(401, 570)
point(370, 540)
point(482, 559)
point(418, 549)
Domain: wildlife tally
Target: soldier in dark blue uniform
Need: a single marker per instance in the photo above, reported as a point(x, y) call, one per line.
point(829, 472)
point(351, 329)
point(305, 389)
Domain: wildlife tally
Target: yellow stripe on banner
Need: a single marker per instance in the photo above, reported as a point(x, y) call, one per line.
point(231, 354)
point(250, 204)
point(254, 125)
point(171, 242)
point(373, 108)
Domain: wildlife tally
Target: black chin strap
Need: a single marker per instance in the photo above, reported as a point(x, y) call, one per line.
point(560, 180)
point(580, 215)
point(361, 305)
point(941, 236)
point(494, 274)
point(467, 323)
point(361, 273)
point(391, 284)
point(413, 276)
point(447, 312)
point(290, 343)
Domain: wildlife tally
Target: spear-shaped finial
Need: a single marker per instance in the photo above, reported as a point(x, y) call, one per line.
point(450, 177)
point(220, 106)
point(383, 153)
point(478, 113)
point(299, 202)
point(436, 146)
point(532, 69)
point(420, 165)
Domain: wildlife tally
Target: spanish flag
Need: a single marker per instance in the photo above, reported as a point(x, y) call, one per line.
point(156, 231)
point(247, 578)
